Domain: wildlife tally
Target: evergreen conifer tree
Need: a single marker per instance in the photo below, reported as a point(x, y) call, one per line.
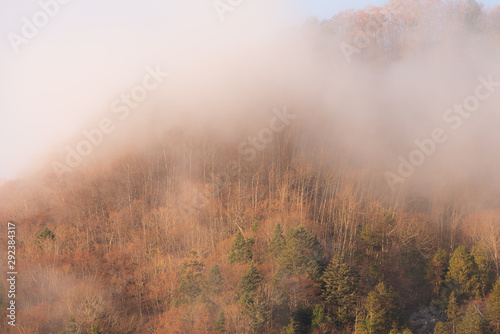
point(214, 279)
point(463, 272)
point(341, 289)
point(381, 309)
point(277, 242)
point(302, 254)
point(240, 251)
point(492, 313)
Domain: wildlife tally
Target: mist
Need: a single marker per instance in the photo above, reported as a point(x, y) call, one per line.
point(228, 75)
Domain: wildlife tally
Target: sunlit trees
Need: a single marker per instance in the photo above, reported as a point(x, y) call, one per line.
point(341, 289)
point(492, 313)
point(453, 315)
point(241, 251)
point(463, 272)
point(302, 254)
point(443, 328)
point(436, 271)
point(381, 310)
point(250, 298)
point(248, 285)
point(291, 328)
point(485, 268)
point(277, 242)
point(321, 322)
point(470, 323)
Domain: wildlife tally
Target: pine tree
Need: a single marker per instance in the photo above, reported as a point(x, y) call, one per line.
point(443, 328)
point(453, 312)
point(436, 272)
point(191, 278)
point(292, 328)
point(341, 289)
point(485, 268)
point(381, 309)
point(214, 279)
point(470, 322)
point(46, 233)
point(258, 312)
point(220, 322)
point(255, 227)
point(248, 285)
point(301, 254)
point(277, 242)
point(45, 236)
point(463, 272)
point(320, 319)
point(249, 296)
point(240, 251)
point(492, 314)
point(361, 323)
point(71, 327)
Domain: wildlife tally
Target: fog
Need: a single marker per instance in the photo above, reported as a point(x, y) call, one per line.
point(230, 74)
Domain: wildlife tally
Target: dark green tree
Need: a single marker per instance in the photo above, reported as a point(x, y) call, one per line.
point(250, 297)
point(277, 242)
point(436, 271)
point(381, 309)
point(46, 233)
point(291, 328)
point(443, 328)
point(258, 313)
point(492, 313)
point(220, 323)
point(302, 254)
point(191, 278)
point(485, 268)
point(240, 251)
point(361, 324)
point(470, 322)
point(463, 273)
point(214, 279)
point(255, 226)
point(248, 285)
point(341, 285)
point(321, 320)
point(453, 312)
point(44, 237)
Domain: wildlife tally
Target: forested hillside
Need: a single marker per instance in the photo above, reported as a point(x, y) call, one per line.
point(191, 230)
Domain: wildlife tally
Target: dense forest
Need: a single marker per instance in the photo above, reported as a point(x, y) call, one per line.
point(192, 231)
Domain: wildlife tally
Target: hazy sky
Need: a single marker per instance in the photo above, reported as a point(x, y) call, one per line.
point(90, 51)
